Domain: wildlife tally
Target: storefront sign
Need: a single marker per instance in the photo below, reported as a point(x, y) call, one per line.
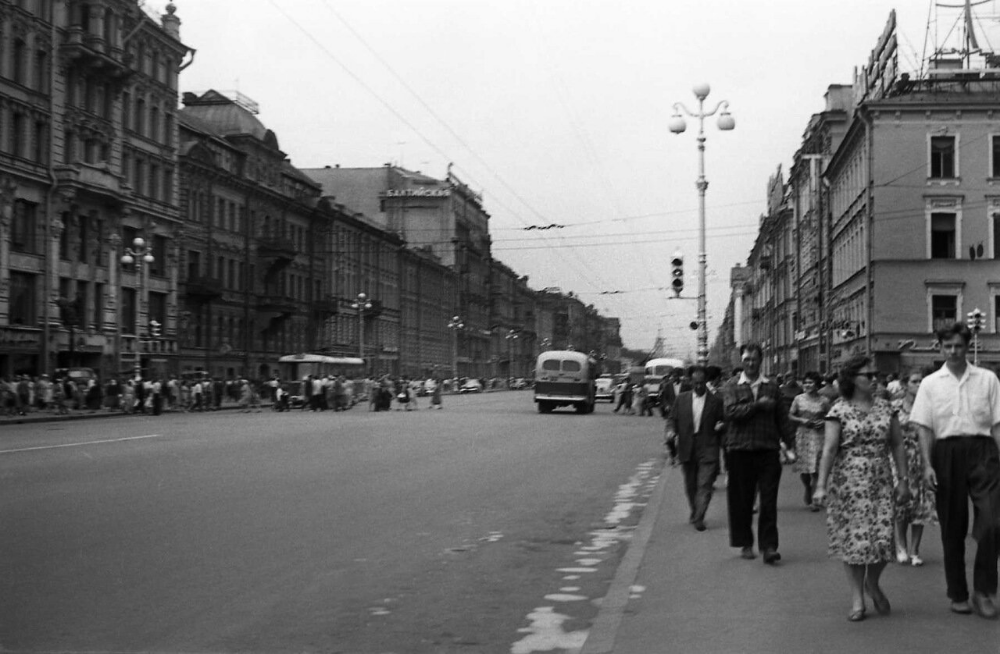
point(21, 340)
point(417, 193)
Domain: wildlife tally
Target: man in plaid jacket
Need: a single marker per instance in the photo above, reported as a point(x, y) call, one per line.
point(757, 424)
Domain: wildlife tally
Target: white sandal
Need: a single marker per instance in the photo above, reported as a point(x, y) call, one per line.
point(916, 561)
point(902, 557)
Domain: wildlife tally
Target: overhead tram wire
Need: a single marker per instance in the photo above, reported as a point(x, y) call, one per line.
point(402, 119)
point(442, 122)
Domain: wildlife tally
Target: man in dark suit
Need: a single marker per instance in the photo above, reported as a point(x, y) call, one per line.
point(757, 422)
point(697, 421)
point(670, 387)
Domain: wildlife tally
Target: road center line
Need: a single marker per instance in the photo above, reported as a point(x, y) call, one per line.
point(52, 447)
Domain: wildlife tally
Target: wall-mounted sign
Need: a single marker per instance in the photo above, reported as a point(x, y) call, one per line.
point(417, 193)
point(14, 339)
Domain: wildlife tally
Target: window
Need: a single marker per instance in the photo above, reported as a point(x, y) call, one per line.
point(22, 229)
point(995, 224)
point(40, 143)
point(158, 248)
point(20, 61)
point(22, 298)
point(944, 311)
point(139, 179)
point(139, 116)
point(942, 157)
point(154, 123)
point(158, 309)
point(154, 182)
point(995, 156)
point(128, 311)
point(17, 135)
point(98, 319)
point(194, 264)
point(943, 236)
point(41, 71)
point(126, 109)
point(82, 238)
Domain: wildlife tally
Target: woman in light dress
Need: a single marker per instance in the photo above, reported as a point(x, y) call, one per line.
point(808, 411)
point(919, 510)
point(861, 431)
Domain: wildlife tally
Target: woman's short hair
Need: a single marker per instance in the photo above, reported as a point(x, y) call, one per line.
point(955, 329)
point(814, 377)
point(848, 371)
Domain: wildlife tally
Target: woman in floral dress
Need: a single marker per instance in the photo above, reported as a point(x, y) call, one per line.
point(861, 430)
point(807, 411)
point(919, 511)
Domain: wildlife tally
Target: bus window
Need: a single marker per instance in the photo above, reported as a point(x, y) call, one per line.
point(551, 364)
point(571, 366)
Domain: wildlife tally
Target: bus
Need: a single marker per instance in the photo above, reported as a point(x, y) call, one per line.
point(565, 378)
point(293, 368)
point(663, 367)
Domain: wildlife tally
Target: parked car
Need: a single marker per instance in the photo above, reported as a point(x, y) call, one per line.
point(519, 383)
point(605, 385)
point(471, 386)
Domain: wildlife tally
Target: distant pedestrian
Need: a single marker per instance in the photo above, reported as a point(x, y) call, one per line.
point(808, 410)
point(696, 418)
point(957, 412)
point(436, 393)
point(919, 510)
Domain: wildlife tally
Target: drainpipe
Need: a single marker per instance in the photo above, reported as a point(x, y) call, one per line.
point(49, 197)
point(869, 237)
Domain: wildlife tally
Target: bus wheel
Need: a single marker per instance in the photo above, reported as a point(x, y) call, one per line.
point(545, 407)
point(581, 407)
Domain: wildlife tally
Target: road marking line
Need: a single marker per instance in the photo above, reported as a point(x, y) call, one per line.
point(52, 447)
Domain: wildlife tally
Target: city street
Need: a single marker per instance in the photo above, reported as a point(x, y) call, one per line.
point(427, 531)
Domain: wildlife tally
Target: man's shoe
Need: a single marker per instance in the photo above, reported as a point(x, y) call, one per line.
point(747, 553)
point(700, 525)
point(771, 556)
point(961, 607)
point(983, 606)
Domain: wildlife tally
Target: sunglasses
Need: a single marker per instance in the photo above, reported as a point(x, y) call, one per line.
point(869, 375)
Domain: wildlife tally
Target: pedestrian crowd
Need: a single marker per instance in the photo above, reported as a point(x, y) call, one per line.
point(884, 456)
point(24, 394)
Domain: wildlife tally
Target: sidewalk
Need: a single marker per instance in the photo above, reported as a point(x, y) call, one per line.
point(678, 590)
point(51, 416)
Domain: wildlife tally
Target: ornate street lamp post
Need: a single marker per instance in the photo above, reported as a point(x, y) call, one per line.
point(141, 255)
point(677, 126)
point(454, 325)
point(361, 304)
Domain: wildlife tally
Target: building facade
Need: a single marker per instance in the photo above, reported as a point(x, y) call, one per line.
point(88, 165)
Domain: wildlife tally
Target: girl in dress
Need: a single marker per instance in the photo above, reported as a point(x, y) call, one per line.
point(861, 430)
point(919, 511)
point(808, 411)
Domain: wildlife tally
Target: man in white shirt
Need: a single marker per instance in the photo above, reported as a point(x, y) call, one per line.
point(957, 412)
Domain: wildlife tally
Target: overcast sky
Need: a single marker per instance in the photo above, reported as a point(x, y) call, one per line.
point(557, 110)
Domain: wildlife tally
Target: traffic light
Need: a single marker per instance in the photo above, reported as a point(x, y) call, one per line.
point(677, 273)
point(977, 320)
point(154, 328)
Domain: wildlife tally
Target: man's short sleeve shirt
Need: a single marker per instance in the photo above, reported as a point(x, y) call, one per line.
point(951, 406)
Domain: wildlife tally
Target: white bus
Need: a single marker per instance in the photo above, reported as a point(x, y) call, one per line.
point(565, 378)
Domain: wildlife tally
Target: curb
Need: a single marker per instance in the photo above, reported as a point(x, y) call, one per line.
point(32, 419)
point(601, 637)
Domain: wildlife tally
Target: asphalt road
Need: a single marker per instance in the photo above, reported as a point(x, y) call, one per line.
point(485, 527)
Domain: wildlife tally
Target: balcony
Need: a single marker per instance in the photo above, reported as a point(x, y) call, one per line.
point(276, 303)
point(90, 177)
point(92, 54)
point(203, 289)
point(325, 308)
point(273, 247)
